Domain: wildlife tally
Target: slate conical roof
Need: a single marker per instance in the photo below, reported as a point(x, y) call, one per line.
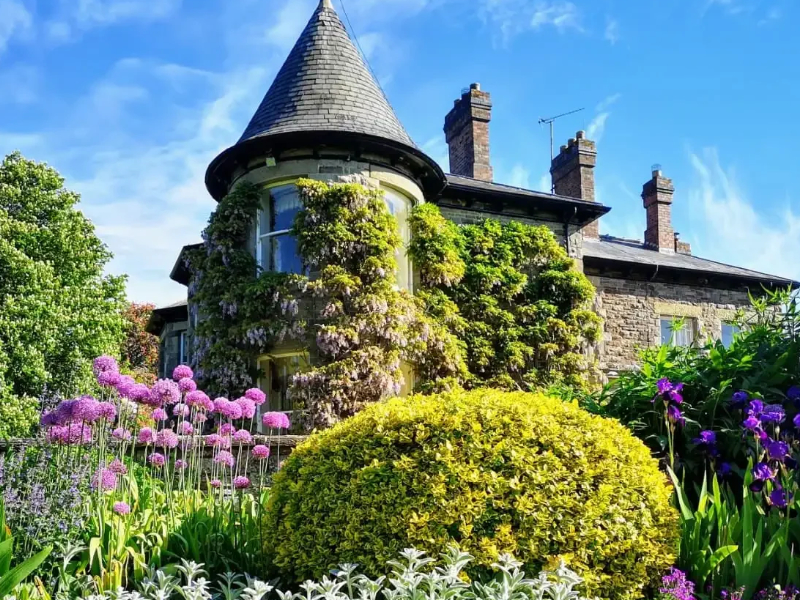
point(324, 85)
point(324, 96)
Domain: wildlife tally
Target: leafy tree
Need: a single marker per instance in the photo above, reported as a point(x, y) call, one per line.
point(57, 309)
point(510, 292)
point(139, 348)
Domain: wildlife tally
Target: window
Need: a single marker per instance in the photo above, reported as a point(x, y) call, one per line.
point(729, 331)
point(399, 206)
point(677, 331)
point(276, 379)
point(276, 249)
point(183, 356)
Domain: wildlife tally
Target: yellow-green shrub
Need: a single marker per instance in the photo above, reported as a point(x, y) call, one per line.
point(494, 471)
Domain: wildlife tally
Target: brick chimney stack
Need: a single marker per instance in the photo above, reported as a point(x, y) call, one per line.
point(466, 129)
point(572, 172)
point(657, 196)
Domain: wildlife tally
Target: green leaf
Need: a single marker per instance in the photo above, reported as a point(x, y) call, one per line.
point(21, 572)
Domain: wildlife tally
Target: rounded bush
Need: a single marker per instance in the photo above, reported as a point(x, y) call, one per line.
point(493, 471)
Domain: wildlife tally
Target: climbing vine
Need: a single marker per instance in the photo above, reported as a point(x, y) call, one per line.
point(510, 292)
point(346, 313)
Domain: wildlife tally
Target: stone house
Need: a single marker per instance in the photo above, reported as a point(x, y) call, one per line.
point(325, 117)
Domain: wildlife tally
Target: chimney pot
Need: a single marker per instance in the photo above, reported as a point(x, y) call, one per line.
point(466, 129)
point(581, 134)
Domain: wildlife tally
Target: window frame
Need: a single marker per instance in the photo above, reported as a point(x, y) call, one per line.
point(690, 325)
point(736, 330)
point(266, 206)
point(265, 381)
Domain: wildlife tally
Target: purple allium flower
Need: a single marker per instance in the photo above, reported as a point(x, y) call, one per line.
point(675, 585)
point(260, 452)
point(182, 372)
point(122, 508)
point(673, 414)
point(226, 429)
point(779, 497)
point(200, 417)
point(109, 379)
point(104, 479)
point(48, 418)
point(187, 385)
point(105, 364)
point(278, 420)
point(200, 400)
point(146, 435)
point(740, 398)
point(139, 393)
point(185, 428)
point(121, 434)
point(165, 391)
point(117, 467)
point(752, 423)
point(256, 395)
point(241, 482)
point(75, 433)
point(706, 438)
point(157, 459)
point(232, 411)
point(773, 413)
point(755, 408)
point(159, 414)
point(64, 411)
point(214, 439)
point(243, 437)
point(107, 411)
point(166, 438)
point(777, 450)
point(86, 409)
point(220, 404)
point(248, 407)
point(763, 472)
point(224, 457)
point(181, 464)
point(793, 393)
point(215, 483)
point(181, 410)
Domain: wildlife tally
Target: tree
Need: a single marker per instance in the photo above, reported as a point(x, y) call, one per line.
point(139, 348)
point(57, 309)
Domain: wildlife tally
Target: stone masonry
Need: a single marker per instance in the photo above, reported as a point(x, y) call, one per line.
point(466, 128)
point(632, 309)
point(657, 197)
point(573, 174)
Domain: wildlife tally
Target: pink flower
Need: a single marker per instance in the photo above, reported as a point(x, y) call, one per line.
point(104, 479)
point(181, 410)
point(108, 378)
point(146, 436)
point(248, 407)
point(260, 452)
point(224, 457)
point(118, 467)
point(242, 436)
point(197, 398)
point(86, 409)
point(164, 392)
point(139, 392)
point(76, 433)
point(232, 411)
point(167, 438)
point(215, 483)
point(180, 465)
point(157, 459)
point(187, 385)
point(214, 439)
point(104, 364)
point(160, 414)
point(256, 395)
point(182, 372)
point(122, 508)
point(121, 434)
point(185, 428)
point(220, 404)
point(226, 429)
point(201, 417)
point(241, 482)
point(276, 420)
point(126, 383)
point(107, 411)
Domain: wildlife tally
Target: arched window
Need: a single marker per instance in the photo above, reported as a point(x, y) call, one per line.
point(276, 248)
point(399, 206)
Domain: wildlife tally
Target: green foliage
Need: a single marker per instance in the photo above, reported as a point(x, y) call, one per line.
point(349, 317)
point(139, 351)
point(57, 309)
point(11, 577)
point(511, 293)
point(493, 471)
point(764, 361)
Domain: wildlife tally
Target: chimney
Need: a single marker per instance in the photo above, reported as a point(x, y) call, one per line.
point(657, 196)
point(466, 129)
point(682, 247)
point(572, 172)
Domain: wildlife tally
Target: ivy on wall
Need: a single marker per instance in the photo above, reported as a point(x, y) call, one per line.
point(347, 314)
point(510, 292)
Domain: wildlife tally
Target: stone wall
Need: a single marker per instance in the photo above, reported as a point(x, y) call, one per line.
point(631, 312)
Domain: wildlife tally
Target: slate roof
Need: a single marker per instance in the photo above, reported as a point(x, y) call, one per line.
point(618, 250)
point(175, 312)
point(324, 85)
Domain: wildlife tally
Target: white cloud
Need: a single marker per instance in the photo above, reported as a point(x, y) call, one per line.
point(76, 16)
point(15, 21)
point(437, 149)
point(597, 126)
point(513, 17)
point(520, 177)
point(19, 84)
point(732, 231)
point(611, 33)
point(773, 14)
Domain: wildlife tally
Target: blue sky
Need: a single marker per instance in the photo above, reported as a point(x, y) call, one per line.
point(131, 99)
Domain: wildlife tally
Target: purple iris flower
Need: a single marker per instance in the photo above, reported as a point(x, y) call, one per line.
point(756, 408)
point(725, 469)
point(763, 472)
point(663, 385)
point(740, 398)
point(793, 393)
point(773, 413)
point(777, 450)
point(675, 415)
point(752, 423)
point(796, 420)
point(779, 497)
point(706, 438)
point(675, 394)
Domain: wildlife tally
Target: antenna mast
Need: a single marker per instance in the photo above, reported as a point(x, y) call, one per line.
point(550, 122)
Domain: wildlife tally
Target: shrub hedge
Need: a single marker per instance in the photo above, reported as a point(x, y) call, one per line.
point(491, 471)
